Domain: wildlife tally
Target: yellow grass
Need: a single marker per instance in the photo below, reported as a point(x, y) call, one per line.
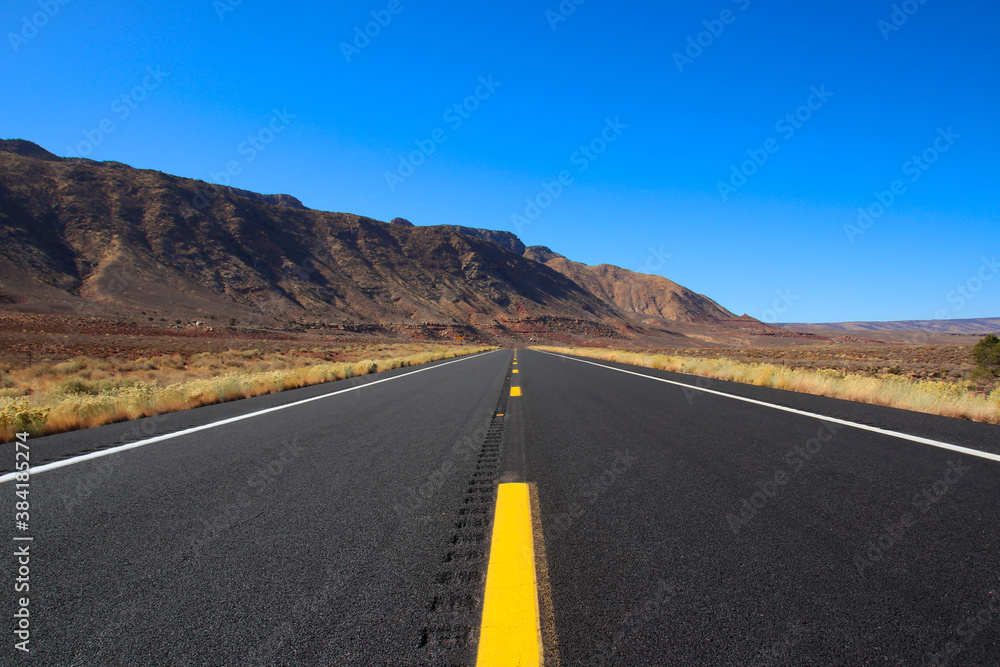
point(949, 399)
point(86, 392)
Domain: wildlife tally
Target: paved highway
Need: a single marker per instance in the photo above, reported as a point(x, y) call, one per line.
point(687, 528)
point(673, 526)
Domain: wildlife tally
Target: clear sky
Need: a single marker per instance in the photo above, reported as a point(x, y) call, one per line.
point(726, 144)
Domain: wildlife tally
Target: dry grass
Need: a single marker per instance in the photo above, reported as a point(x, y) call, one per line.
point(85, 391)
point(953, 363)
point(950, 399)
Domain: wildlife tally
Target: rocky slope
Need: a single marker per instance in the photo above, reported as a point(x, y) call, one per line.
point(124, 240)
point(635, 293)
point(139, 239)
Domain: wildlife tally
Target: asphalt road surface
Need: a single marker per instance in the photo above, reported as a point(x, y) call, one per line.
point(680, 527)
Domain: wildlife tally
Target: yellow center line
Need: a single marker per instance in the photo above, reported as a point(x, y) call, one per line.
point(515, 391)
point(514, 371)
point(511, 632)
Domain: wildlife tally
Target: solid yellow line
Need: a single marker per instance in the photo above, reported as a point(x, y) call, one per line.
point(515, 391)
point(511, 632)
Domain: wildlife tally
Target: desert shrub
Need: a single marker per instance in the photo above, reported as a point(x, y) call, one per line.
point(93, 387)
point(71, 366)
point(76, 386)
point(39, 370)
point(987, 355)
point(19, 415)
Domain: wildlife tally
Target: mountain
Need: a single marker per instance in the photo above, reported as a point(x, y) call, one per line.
point(102, 236)
point(635, 293)
point(138, 239)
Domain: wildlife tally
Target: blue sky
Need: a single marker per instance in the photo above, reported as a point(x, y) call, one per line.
point(728, 145)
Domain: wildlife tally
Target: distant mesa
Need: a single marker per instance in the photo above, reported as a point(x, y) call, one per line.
point(968, 326)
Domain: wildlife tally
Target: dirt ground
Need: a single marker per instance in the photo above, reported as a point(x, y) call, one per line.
point(26, 339)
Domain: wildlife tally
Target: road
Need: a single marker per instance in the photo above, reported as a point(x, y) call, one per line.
point(675, 526)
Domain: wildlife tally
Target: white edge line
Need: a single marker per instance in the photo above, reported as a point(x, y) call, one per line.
point(874, 429)
point(204, 427)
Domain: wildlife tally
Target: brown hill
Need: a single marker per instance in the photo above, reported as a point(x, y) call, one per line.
point(126, 240)
point(635, 293)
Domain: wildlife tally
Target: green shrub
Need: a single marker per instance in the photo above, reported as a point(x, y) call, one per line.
point(987, 355)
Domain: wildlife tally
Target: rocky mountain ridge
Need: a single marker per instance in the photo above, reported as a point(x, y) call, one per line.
point(128, 240)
